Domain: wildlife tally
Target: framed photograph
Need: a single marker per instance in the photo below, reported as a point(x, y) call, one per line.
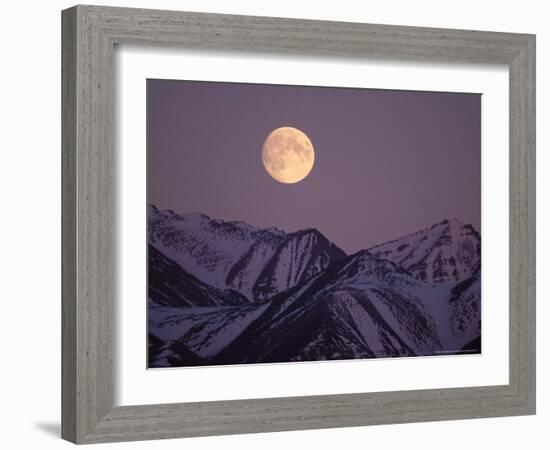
point(268, 222)
point(295, 246)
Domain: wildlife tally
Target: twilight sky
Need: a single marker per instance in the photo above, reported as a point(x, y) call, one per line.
point(387, 163)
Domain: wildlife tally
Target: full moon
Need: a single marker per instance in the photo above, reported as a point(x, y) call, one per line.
point(288, 155)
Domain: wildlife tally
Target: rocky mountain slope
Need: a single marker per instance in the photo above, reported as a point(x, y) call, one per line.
point(256, 262)
point(447, 251)
point(229, 293)
point(170, 285)
point(361, 307)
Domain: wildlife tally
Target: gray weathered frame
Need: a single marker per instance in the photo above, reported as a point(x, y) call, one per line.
point(89, 36)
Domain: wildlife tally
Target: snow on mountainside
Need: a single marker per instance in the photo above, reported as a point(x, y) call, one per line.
point(229, 293)
point(360, 307)
point(196, 333)
point(446, 252)
point(256, 262)
point(465, 302)
point(170, 285)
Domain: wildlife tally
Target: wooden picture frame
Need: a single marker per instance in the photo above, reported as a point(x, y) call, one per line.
point(90, 34)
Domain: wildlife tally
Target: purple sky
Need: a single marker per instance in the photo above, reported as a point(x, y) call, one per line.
point(387, 163)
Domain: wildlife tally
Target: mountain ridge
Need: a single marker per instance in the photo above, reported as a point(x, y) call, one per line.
point(307, 300)
point(447, 251)
point(256, 262)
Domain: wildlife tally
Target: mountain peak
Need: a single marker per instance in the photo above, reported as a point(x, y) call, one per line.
point(308, 232)
point(451, 220)
point(257, 262)
point(274, 230)
point(447, 251)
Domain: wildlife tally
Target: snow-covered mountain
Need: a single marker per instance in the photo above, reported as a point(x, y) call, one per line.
point(360, 307)
point(267, 296)
point(196, 333)
point(465, 302)
point(447, 251)
point(256, 262)
point(170, 285)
